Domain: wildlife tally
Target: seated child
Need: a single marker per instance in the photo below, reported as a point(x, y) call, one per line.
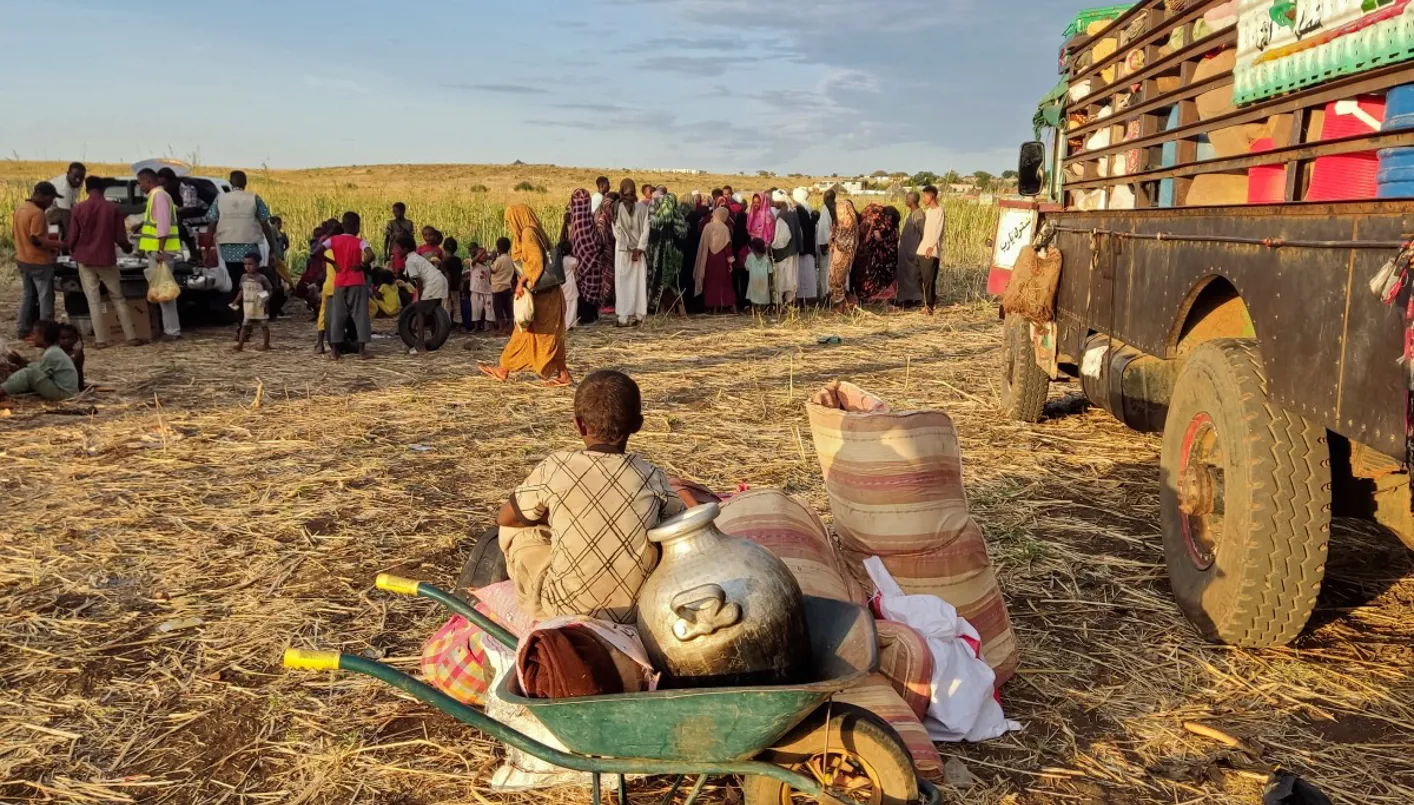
point(52, 377)
point(575, 533)
point(71, 341)
point(253, 300)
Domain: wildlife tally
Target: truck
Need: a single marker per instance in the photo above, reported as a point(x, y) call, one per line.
point(1225, 185)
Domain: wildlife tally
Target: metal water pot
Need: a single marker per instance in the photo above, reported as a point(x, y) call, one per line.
point(721, 611)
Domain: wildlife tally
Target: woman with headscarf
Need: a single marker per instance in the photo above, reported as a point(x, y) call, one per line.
point(587, 245)
point(761, 220)
point(741, 247)
point(697, 217)
point(876, 255)
point(843, 242)
point(806, 288)
point(540, 347)
point(712, 273)
point(604, 222)
point(630, 248)
point(666, 227)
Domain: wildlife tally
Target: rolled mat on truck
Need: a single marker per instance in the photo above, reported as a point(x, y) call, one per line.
point(895, 486)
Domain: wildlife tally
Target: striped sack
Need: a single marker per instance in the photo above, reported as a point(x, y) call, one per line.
point(878, 696)
point(907, 662)
point(794, 534)
point(895, 486)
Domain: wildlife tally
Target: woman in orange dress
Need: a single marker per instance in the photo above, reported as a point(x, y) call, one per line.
point(539, 348)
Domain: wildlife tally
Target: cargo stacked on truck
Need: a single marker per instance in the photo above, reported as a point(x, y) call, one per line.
point(1223, 182)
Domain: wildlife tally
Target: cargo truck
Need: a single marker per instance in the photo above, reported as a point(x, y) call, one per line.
point(1223, 190)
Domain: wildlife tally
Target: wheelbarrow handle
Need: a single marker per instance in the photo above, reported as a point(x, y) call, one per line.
point(421, 589)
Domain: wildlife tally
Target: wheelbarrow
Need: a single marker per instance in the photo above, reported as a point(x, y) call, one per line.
point(779, 740)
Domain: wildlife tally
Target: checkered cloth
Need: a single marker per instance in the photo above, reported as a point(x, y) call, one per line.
point(455, 662)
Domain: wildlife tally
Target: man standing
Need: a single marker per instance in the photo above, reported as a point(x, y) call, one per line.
point(602, 189)
point(806, 288)
point(69, 185)
point(824, 235)
point(630, 266)
point(910, 265)
point(400, 225)
point(242, 222)
point(159, 239)
point(95, 235)
point(930, 248)
point(35, 249)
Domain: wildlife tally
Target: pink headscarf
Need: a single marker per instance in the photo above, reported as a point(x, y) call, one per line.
point(761, 223)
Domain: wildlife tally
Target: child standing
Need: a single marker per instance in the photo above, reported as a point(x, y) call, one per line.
point(254, 299)
point(351, 255)
point(431, 247)
point(503, 279)
point(452, 268)
point(758, 269)
point(482, 312)
point(326, 288)
point(575, 533)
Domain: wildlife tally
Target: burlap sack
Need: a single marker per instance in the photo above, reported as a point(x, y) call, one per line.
point(1031, 291)
point(895, 486)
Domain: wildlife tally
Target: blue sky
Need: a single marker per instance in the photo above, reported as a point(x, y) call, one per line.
point(819, 87)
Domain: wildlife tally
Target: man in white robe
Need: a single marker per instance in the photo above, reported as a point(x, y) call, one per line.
point(631, 257)
point(784, 253)
point(824, 232)
point(806, 287)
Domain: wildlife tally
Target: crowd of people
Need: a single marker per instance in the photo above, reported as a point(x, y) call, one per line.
point(620, 254)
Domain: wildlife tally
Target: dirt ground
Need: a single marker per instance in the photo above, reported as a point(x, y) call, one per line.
point(166, 537)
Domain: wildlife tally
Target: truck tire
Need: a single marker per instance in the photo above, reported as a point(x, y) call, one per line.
point(1244, 501)
point(1024, 384)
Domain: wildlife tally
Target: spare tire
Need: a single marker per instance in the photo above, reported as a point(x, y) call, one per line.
point(441, 328)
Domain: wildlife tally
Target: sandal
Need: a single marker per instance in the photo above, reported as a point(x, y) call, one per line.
point(493, 372)
point(559, 382)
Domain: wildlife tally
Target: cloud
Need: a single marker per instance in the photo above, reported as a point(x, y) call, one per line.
point(506, 89)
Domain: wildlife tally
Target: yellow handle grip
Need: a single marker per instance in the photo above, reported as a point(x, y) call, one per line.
point(305, 660)
point(396, 584)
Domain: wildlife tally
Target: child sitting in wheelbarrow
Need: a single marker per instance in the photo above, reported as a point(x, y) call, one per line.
point(575, 533)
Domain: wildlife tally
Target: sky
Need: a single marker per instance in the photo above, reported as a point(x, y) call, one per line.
point(808, 86)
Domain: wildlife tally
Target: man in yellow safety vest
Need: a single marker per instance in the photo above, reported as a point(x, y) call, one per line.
point(160, 239)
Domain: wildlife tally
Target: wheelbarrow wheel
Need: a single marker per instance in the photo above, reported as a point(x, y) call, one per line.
point(856, 753)
point(486, 564)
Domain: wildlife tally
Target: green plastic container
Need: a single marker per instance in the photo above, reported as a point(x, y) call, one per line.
point(713, 725)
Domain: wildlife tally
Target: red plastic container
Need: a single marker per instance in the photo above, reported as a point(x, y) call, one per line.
point(1349, 176)
point(1266, 184)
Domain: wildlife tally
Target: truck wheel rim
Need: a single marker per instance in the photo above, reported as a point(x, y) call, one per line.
point(1201, 487)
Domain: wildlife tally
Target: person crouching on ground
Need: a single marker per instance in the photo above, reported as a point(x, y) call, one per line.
point(53, 377)
point(575, 533)
point(431, 287)
point(253, 299)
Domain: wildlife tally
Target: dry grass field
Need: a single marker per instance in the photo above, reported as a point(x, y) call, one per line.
point(166, 536)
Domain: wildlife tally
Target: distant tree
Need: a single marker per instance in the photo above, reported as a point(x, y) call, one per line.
point(922, 178)
point(878, 174)
point(952, 177)
point(763, 173)
point(982, 177)
point(1010, 174)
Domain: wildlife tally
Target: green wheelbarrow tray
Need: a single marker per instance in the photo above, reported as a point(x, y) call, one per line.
point(715, 725)
point(843, 646)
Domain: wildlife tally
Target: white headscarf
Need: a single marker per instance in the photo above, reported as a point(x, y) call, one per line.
point(779, 195)
point(802, 197)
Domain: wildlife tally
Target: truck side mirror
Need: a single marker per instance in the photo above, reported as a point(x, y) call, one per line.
point(1031, 168)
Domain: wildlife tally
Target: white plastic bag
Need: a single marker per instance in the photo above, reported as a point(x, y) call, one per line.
point(524, 309)
point(963, 705)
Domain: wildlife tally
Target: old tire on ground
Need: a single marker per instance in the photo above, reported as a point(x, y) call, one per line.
point(866, 759)
point(439, 330)
point(1024, 384)
point(1244, 501)
point(485, 565)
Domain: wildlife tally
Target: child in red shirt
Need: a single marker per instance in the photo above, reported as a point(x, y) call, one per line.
point(351, 256)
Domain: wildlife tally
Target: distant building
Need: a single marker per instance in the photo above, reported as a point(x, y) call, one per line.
point(852, 187)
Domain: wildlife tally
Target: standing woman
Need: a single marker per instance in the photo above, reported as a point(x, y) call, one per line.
point(910, 282)
point(824, 238)
point(761, 221)
point(539, 348)
point(697, 218)
point(666, 228)
point(587, 245)
point(876, 256)
point(741, 247)
point(807, 287)
point(842, 245)
point(604, 219)
point(712, 273)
